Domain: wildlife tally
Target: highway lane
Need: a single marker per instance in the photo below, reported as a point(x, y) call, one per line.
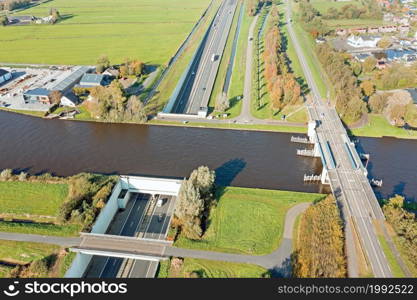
point(348, 183)
point(199, 81)
point(129, 228)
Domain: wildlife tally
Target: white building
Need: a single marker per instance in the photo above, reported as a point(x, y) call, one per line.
point(5, 76)
point(363, 41)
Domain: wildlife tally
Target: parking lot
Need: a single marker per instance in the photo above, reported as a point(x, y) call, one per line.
point(25, 79)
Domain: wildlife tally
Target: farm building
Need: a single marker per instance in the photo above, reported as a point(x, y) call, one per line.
point(5, 76)
point(70, 99)
point(363, 41)
point(68, 83)
point(37, 95)
point(90, 80)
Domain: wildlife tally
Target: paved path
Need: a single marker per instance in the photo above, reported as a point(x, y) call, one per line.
point(35, 238)
point(245, 114)
point(278, 261)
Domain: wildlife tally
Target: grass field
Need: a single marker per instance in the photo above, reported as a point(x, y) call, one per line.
point(150, 30)
point(168, 84)
point(33, 198)
point(42, 229)
point(378, 126)
point(247, 221)
point(323, 5)
point(213, 269)
point(24, 252)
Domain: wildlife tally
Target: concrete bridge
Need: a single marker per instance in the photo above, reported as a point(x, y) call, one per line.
point(344, 172)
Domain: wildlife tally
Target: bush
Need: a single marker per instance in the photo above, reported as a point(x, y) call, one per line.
point(23, 176)
point(6, 174)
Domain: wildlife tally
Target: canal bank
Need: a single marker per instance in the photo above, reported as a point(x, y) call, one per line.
point(241, 158)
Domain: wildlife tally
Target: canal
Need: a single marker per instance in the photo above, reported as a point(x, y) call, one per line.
point(240, 158)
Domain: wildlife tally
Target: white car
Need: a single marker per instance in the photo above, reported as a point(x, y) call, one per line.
point(159, 203)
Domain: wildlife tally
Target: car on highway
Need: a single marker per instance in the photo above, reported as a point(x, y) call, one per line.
point(214, 57)
point(160, 202)
point(160, 218)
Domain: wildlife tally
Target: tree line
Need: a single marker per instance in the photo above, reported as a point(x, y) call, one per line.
point(13, 4)
point(253, 6)
point(282, 85)
point(369, 10)
point(320, 245)
point(348, 94)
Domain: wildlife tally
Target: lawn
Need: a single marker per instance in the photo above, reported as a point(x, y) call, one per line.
point(150, 30)
point(24, 252)
point(42, 229)
point(248, 221)
point(378, 126)
point(33, 198)
point(323, 5)
point(394, 266)
point(213, 269)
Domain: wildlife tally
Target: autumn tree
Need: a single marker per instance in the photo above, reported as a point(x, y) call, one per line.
point(320, 246)
point(367, 87)
point(55, 97)
point(369, 64)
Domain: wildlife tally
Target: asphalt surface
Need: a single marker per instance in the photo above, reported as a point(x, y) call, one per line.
point(129, 229)
point(199, 81)
point(349, 184)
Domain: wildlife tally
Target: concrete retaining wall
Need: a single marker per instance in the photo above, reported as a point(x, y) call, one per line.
point(107, 213)
point(79, 266)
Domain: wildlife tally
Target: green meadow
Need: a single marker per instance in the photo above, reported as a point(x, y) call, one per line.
point(150, 30)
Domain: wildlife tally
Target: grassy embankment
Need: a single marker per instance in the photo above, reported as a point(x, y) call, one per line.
point(37, 203)
point(171, 79)
point(22, 254)
point(295, 113)
point(248, 221)
point(235, 105)
point(203, 268)
point(275, 128)
point(150, 30)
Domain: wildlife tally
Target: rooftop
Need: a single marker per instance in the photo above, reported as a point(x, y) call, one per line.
point(92, 78)
point(38, 92)
point(3, 71)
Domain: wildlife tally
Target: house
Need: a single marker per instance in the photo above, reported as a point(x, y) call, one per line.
point(111, 72)
point(70, 99)
point(5, 76)
point(359, 30)
point(403, 28)
point(127, 82)
point(386, 29)
point(91, 80)
point(373, 29)
point(37, 95)
point(363, 41)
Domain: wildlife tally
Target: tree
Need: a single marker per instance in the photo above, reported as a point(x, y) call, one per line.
point(377, 102)
point(3, 20)
point(385, 42)
point(367, 87)
point(55, 97)
point(369, 64)
point(6, 174)
point(103, 63)
point(194, 199)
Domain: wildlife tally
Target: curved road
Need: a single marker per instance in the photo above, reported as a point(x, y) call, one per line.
point(278, 262)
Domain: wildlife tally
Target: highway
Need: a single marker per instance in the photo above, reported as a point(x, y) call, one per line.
point(142, 220)
point(350, 185)
point(199, 81)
